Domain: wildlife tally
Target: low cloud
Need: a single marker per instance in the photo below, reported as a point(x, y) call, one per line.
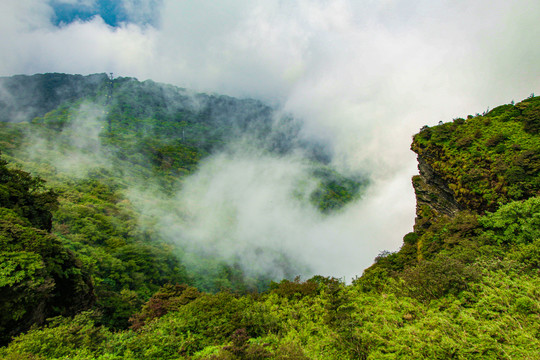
point(77, 149)
point(253, 208)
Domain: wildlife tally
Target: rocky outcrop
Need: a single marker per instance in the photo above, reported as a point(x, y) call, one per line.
point(433, 196)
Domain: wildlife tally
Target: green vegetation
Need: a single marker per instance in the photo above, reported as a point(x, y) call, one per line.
point(464, 285)
point(334, 190)
point(39, 277)
point(487, 160)
point(94, 150)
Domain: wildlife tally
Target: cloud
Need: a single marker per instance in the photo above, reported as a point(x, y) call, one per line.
point(81, 4)
point(250, 207)
point(362, 75)
point(33, 44)
point(143, 12)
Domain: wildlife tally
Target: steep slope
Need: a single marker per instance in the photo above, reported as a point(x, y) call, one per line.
point(477, 165)
point(468, 168)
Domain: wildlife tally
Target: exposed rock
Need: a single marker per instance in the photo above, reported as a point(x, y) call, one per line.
point(433, 196)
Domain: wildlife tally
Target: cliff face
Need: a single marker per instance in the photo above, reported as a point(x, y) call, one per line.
point(468, 168)
point(480, 163)
point(433, 196)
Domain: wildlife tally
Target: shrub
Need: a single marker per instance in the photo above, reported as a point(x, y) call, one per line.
point(168, 298)
point(495, 140)
point(294, 289)
point(464, 142)
point(433, 279)
point(515, 223)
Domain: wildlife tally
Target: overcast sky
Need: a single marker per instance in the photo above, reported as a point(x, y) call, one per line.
point(363, 74)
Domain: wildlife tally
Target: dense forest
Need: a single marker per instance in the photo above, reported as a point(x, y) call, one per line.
point(86, 273)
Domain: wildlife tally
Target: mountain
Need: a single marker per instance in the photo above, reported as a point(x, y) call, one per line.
point(25, 97)
point(465, 283)
point(115, 153)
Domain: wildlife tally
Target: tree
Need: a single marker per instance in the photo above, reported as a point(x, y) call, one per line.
point(25, 195)
point(39, 277)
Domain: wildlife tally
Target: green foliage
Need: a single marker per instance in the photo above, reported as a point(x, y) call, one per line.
point(18, 267)
point(528, 255)
point(487, 160)
point(530, 115)
point(295, 289)
point(101, 227)
point(497, 317)
point(514, 223)
point(241, 349)
point(25, 194)
point(334, 190)
point(168, 298)
point(38, 94)
point(433, 279)
point(38, 276)
point(61, 338)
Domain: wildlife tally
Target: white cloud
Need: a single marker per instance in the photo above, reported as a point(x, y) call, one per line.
point(77, 3)
point(142, 11)
point(242, 203)
point(80, 137)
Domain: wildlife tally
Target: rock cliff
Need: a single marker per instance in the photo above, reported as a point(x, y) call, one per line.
point(433, 196)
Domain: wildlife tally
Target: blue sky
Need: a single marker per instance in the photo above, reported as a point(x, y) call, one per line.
point(113, 12)
point(109, 10)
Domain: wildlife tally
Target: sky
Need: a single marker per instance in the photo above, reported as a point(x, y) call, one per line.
point(363, 75)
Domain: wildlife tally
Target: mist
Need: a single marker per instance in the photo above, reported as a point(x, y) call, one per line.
point(251, 207)
point(363, 77)
point(78, 149)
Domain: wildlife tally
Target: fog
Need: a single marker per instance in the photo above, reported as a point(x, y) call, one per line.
point(363, 76)
point(80, 135)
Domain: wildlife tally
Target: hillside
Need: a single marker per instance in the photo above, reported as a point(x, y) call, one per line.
point(465, 284)
point(116, 152)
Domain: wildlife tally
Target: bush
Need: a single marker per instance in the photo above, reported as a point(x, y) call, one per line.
point(495, 140)
point(294, 289)
point(464, 142)
point(515, 223)
point(168, 298)
point(433, 279)
point(26, 195)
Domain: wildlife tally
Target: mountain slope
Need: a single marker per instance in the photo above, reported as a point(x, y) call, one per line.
point(467, 168)
point(117, 151)
point(39, 277)
point(465, 283)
